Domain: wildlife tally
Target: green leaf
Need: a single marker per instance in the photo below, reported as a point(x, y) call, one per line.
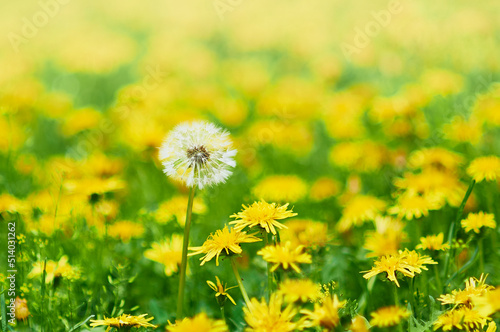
point(81, 323)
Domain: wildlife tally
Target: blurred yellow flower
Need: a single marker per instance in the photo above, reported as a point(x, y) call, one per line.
point(324, 315)
point(359, 324)
point(285, 256)
point(475, 221)
point(324, 188)
point(488, 302)
point(436, 186)
point(387, 238)
point(358, 210)
point(303, 290)
point(443, 82)
point(176, 208)
point(125, 230)
point(413, 206)
point(168, 252)
point(363, 156)
point(223, 241)
point(463, 131)
point(485, 168)
point(388, 316)
point(79, 120)
point(433, 242)
point(262, 214)
point(309, 233)
point(54, 270)
point(22, 311)
point(281, 188)
point(436, 157)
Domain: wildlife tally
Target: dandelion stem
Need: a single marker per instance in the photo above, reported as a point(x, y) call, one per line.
point(185, 242)
point(412, 297)
point(222, 313)
point(453, 228)
point(270, 276)
point(240, 282)
point(396, 303)
point(438, 277)
point(396, 298)
point(481, 254)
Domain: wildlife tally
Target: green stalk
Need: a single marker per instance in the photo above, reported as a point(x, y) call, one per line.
point(222, 313)
point(396, 303)
point(437, 277)
point(453, 228)
point(185, 243)
point(240, 282)
point(412, 297)
point(481, 254)
point(270, 276)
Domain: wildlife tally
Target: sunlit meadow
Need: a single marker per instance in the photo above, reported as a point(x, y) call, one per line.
point(249, 165)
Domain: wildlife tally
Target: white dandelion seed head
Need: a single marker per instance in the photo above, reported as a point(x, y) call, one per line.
point(198, 153)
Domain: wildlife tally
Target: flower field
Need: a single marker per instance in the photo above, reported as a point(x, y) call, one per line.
point(237, 165)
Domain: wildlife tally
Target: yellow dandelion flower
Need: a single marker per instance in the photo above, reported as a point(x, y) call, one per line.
point(435, 157)
point(168, 252)
point(310, 234)
point(221, 291)
point(463, 131)
point(359, 209)
point(324, 315)
point(407, 262)
point(199, 323)
point(281, 188)
point(54, 270)
point(359, 324)
point(125, 230)
point(473, 288)
point(433, 242)
point(441, 82)
point(12, 204)
point(463, 318)
point(475, 221)
point(124, 321)
point(286, 256)
point(410, 206)
point(360, 156)
point(293, 137)
point(387, 238)
point(388, 316)
point(437, 186)
point(381, 244)
point(415, 260)
point(303, 290)
point(324, 188)
point(492, 327)
point(223, 241)
point(485, 168)
point(80, 120)
point(22, 311)
point(487, 303)
point(176, 208)
point(262, 214)
point(263, 317)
